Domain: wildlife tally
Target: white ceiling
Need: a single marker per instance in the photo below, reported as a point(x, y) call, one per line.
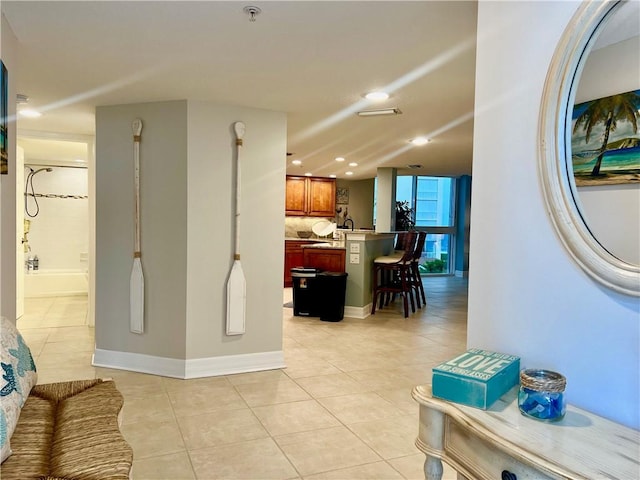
point(311, 59)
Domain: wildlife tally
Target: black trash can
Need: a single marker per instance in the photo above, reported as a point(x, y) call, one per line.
point(333, 287)
point(307, 297)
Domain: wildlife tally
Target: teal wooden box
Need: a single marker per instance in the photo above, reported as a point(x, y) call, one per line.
point(476, 378)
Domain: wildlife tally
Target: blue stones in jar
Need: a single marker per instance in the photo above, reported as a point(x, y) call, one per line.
point(541, 395)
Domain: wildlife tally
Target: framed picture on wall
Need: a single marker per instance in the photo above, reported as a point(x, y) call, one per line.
point(605, 140)
point(4, 114)
point(342, 195)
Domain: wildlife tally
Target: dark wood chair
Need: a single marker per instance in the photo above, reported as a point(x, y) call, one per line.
point(399, 245)
point(392, 276)
point(416, 279)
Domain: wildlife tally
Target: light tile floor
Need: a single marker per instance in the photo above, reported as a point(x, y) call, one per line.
point(342, 409)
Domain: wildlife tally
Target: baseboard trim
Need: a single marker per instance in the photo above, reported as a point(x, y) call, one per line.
point(193, 368)
point(357, 312)
point(230, 364)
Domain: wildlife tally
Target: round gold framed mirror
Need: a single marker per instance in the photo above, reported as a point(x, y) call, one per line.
point(555, 166)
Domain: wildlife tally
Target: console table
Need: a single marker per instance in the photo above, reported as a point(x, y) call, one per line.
point(501, 443)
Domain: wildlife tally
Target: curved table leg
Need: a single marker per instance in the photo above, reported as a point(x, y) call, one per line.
point(432, 468)
point(431, 439)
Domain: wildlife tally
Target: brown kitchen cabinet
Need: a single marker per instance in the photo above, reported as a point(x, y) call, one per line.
point(310, 196)
point(327, 259)
point(292, 258)
point(296, 196)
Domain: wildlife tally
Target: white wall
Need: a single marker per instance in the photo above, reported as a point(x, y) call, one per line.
point(386, 200)
point(361, 193)
point(187, 192)
point(163, 192)
point(210, 242)
point(8, 234)
point(526, 296)
point(612, 211)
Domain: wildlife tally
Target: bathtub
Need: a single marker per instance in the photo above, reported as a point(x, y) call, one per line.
point(55, 283)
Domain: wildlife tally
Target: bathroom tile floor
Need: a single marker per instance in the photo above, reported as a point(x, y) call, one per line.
point(342, 409)
point(40, 312)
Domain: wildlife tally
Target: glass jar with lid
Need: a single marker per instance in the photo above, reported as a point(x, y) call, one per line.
point(541, 394)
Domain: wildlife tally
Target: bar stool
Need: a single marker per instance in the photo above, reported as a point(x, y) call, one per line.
point(416, 279)
point(392, 275)
point(399, 245)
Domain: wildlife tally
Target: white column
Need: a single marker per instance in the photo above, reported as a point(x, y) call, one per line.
point(386, 200)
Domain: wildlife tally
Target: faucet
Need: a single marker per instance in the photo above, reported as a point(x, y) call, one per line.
point(344, 224)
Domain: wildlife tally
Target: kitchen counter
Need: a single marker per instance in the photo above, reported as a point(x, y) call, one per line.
point(335, 244)
point(354, 254)
point(294, 254)
point(298, 239)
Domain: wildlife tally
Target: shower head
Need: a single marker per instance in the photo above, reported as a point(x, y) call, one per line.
point(29, 183)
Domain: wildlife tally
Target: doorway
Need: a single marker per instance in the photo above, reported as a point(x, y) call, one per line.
point(56, 217)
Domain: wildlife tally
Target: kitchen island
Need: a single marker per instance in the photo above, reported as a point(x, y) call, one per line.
point(362, 248)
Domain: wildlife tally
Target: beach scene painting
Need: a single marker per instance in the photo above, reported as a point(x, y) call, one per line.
point(4, 114)
point(605, 140)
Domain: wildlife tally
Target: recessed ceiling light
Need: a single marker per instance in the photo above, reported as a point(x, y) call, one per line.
point(333, 175)
point(308, 174)
point(353, 164)
point(348, 173)
point(381, 111)
point(378, 96)
point(297, 162)
point(420, 140)
point(29, 113)
point(339, 159)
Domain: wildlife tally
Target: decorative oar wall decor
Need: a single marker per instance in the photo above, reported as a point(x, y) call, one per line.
point(136, 285)
point(236, 285)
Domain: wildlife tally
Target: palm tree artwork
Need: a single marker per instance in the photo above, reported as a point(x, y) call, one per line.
point(610, 129)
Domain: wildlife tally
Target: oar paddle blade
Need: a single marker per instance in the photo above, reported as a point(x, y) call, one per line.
point(236, 296)
point(137, 298)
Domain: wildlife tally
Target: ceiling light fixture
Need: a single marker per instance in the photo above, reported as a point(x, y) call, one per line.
point(381, 111)
point(297, 162)
point(333, 175)
point(29, 113)
point(420, 141)
point(377, 96)
point(22, 99)
point(348, 173)
point(308, 174)
point(339, 159)
point(353, 164)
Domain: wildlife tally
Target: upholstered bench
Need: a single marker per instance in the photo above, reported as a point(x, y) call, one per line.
point(66, 430)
